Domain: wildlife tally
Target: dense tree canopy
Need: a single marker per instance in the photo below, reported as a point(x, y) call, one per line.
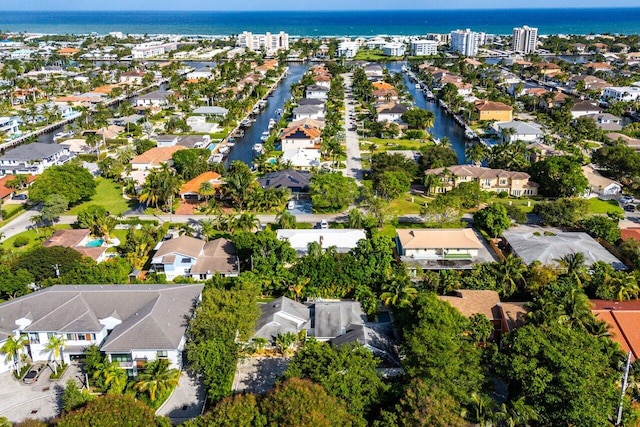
point(438, 156)
point(332, 192)
point(74, 182)
point(493, 219)
point(417, 118)
point(191, 162)
point(562, 212)
point(110, 410)
point(559, 176)
point(621, 161)
point(44, 263)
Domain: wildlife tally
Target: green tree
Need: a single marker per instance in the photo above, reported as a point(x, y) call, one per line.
point(286, 219)
point(493, 219)
point(240, 410)
point(44, 263)
point(298, 402)
point(559, 176)
point(332, 192)
point(112, 410)
point(53, 206)
point(74, 182)
point(562, 212)
point(418, 118)
point(619, 160)
point(556, 369)
point(393, 184)
point(438, 156)
point(602, 227)
point(157, 378)
point(12, 348)
point(191, 162)
point(73, 397)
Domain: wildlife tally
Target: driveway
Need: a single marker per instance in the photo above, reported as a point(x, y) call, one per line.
point(40, 400)
point(258, 374)
point(354, 157)
point(187, 400)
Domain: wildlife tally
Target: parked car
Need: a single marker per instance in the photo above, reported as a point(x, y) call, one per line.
point(626, 199)
point(629, 208)
point(33, 374)
point(291, 204)
point(19, 197)
point(324, 224)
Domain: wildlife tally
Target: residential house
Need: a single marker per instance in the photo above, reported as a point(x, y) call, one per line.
point(622, 319)
point(203, 73)
point(297, 137)
point(347, 49)
point(497, 180)
point(80, 241)
point(9, 125)
point(191, 189)
point(598, 184)
point(374, 72)
point(186, 256)
point(154, 158)
point(294, 180)
point(308, 111)
point(33, 159)
point(630, 233)
point(585, 108)
point(132, 77)
point(490, 110)
point(213, 112)
point(322, 80)
point(342, 239)
point(302, 159)
point(533, 244)
point(385, 95)
point(594, 67)
point(186, 141)
point(382, 86)
point(522, 131)
point(625, 139)
point(132, 324)
point(391, 112)
point(312, 102)
point(6, 192)
point(606, 121)
point(436, 249)
point(556, 100)
point(590, 82)
point(316, 92)
point(622, 93)
point(157, 98)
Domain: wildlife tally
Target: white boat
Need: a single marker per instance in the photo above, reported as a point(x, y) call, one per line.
point(272, 123)
point(61, 135)
point(264, 136)
point(223, 150)
point(418, 86)
point(217, 158)
point(258, 148)
point(279, 112)
point(230, 144)
point(469, 134)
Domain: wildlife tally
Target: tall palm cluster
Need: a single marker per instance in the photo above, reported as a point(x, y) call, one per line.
point(160, 188)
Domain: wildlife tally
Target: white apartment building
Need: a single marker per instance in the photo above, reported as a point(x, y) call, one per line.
point(464, 42)
point(269, 42)
point(348, 49)
point(525, 39)
point(440, 38)
point(394, 49)
point(424, 47)
point(9, 125)
point(621, 93)
point(151, 49)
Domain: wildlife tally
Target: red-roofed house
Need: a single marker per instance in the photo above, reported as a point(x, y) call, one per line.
point(623, 318)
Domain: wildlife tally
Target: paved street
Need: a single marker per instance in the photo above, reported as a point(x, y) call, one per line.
point(354, 158)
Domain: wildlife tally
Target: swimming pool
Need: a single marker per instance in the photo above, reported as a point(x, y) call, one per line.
point(94, 243)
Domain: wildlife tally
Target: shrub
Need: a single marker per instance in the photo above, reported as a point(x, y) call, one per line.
point(21, 241)
point(503, 194)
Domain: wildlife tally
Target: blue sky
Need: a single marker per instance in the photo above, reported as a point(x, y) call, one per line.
point(303, 4)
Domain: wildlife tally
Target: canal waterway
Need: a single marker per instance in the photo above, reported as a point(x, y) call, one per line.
point(444, 125)
point(243, 149)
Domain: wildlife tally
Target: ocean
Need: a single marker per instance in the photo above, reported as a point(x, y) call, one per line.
point(337, 23)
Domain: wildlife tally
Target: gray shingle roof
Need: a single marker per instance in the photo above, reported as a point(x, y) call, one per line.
point(292, 179)
point(153, 317)
point(281, 316)
point(34, 151)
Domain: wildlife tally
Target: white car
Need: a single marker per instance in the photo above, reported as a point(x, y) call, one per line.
point(291, 204)
point(324, 224)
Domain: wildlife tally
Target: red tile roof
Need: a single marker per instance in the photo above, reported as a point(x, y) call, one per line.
point(623, 317)
point(630, 233)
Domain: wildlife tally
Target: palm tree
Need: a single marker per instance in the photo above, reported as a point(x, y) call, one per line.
point(507, 133)
point(207, 190)
point(355, 218)
point(399, 291)
point(573, 265)
point(12, 348)
point(247, 222)
point(286, 219)
point(575, 309)
point(476, 153)
point(512, 271)
point(157, 378)
point(55, 345)
point(113, 377)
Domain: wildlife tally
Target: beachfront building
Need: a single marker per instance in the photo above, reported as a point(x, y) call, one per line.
point(151, 49)
point(621, 93)
point(424, 47)
point(465, 42)
point(394, 49)
point(525, 39)
point(270, 42)
point(348, 49)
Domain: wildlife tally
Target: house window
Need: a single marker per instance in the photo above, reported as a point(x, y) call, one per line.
point(487, 182)
point(34, 337)
point(162, 354)
point(71, 337)
point(503, 181)
point(50, 335)
point(121, 358)
point(186, 260)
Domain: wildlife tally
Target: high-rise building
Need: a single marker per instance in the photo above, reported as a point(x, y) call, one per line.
point(424, 47)
point(525, 39)
point(269, 42)
point(464, 42)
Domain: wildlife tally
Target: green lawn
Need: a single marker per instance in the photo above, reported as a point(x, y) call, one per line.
point(526, 205)
point(108, 195)
point(408, 204)
point(598, 206)
point(383, 145)
point(35, 238)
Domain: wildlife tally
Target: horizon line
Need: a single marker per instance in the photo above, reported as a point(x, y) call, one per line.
point(324, 10)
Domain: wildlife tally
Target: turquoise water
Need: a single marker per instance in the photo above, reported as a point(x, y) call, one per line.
point(212, 146)
point(336, 23)
point(94, 243)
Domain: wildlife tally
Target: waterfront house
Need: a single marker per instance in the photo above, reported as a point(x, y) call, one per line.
point(186, 256)
point(316, 92)
point(308, 111)
point(385, 95)
point(9, 125)
point(132, 77)
point(622, 319)
point(34, 158)
point(490, 110)
point(297, 137)
point(585, 108)
point(191, 189)
point(522, 131)
point(203, 73)
point(374, 72)
point(391, 112)
point(302, 159)
point(496, 180)
point(294, 180)
point(132, 324)
point(342, 239)
point(621, 93)
point(186, 141)
point(212, 112)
